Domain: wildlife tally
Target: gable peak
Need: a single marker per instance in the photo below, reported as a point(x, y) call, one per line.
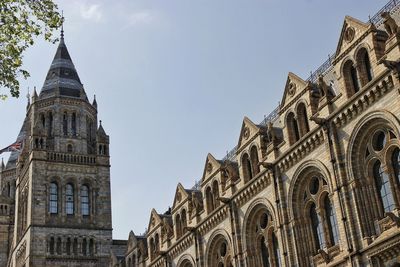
point(294, 85)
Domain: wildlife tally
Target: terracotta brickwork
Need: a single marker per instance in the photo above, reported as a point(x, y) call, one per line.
point(317, 184)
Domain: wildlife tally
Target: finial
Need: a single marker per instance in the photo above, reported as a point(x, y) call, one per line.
point(2, 164)
point(62, 24)
point(100, 122)
point(28, 95)
point(94, 102)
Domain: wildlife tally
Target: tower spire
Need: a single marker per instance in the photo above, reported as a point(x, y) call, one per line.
point(62, 25)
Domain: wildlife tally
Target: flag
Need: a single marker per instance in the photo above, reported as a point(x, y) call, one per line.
point(13, 147)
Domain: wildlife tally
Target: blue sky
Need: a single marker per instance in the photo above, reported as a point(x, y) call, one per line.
point(174, 79)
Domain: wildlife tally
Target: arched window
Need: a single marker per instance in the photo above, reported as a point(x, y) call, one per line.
point(331, 221)
point(69, 148)
point(209, 200)
point(220, 254)
point(254, 160)
point(264, 252)
point(365, 69)
point(152, 248)
point(247, 168)
point(275, 248)
point(184, 221)
point(317, 228)
point(51, 246)
point(157, 243)
point(50, 132)
point(215, 193)
point(350, 76)
point(383, 187)
point(178, 226)
point(303, 119)
point(396, 164)
point(69, 199)
point(68, 246)
point(367, 66)
point(89, 130)
point(91, 247)
point(58, 246)
point(53, 199)
point(43, 120)
point(293, 128)
point(85, 205)
point(8, 189)
point(84, 247)
point(73, 124)
point(75, 246)
point(133, 260)
point(65, 123)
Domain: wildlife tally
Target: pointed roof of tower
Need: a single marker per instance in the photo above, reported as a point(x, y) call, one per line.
point(12, 160)
point(62, 77)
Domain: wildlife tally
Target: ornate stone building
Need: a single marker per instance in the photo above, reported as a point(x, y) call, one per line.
point(55, 203)
point(317, 183)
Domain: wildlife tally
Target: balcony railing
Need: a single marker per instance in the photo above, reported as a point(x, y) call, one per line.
point(71, 158)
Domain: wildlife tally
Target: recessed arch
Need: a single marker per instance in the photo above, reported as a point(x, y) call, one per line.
point(213, 245)
point(370, 168)
point(186, 261)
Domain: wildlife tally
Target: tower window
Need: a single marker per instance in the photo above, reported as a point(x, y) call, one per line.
point(73, 124)
point(69, 199)
point(53, 203)
point(70, 148)
point(85, 201)
point(65, 124)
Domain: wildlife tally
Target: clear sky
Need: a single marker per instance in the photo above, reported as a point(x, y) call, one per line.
point(174, 79)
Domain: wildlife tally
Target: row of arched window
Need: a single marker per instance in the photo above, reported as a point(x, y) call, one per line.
point(212, 196)
point(69, 199)
point(155, 246)
point(69, 124)
point(250, 164)
point(357, 74)
point(46, 121)
point(382, 159)
point(71, 246)
point(180, 223)
point(297, 124)
point(134, 261)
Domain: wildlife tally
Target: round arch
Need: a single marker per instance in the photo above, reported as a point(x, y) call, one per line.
point(307, 167)
point(186, 261)
point(216, 239)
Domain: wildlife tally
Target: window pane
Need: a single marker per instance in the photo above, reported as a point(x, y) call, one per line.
point(264, 253)
point(317, 228)
point(85, 209)
point(383, 186)
point(53, 203)
point(277, 253)
point(332, 221)
point(69, 202)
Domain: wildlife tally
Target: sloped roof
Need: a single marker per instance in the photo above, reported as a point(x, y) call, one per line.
point(12, 160)
point(62, 76)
